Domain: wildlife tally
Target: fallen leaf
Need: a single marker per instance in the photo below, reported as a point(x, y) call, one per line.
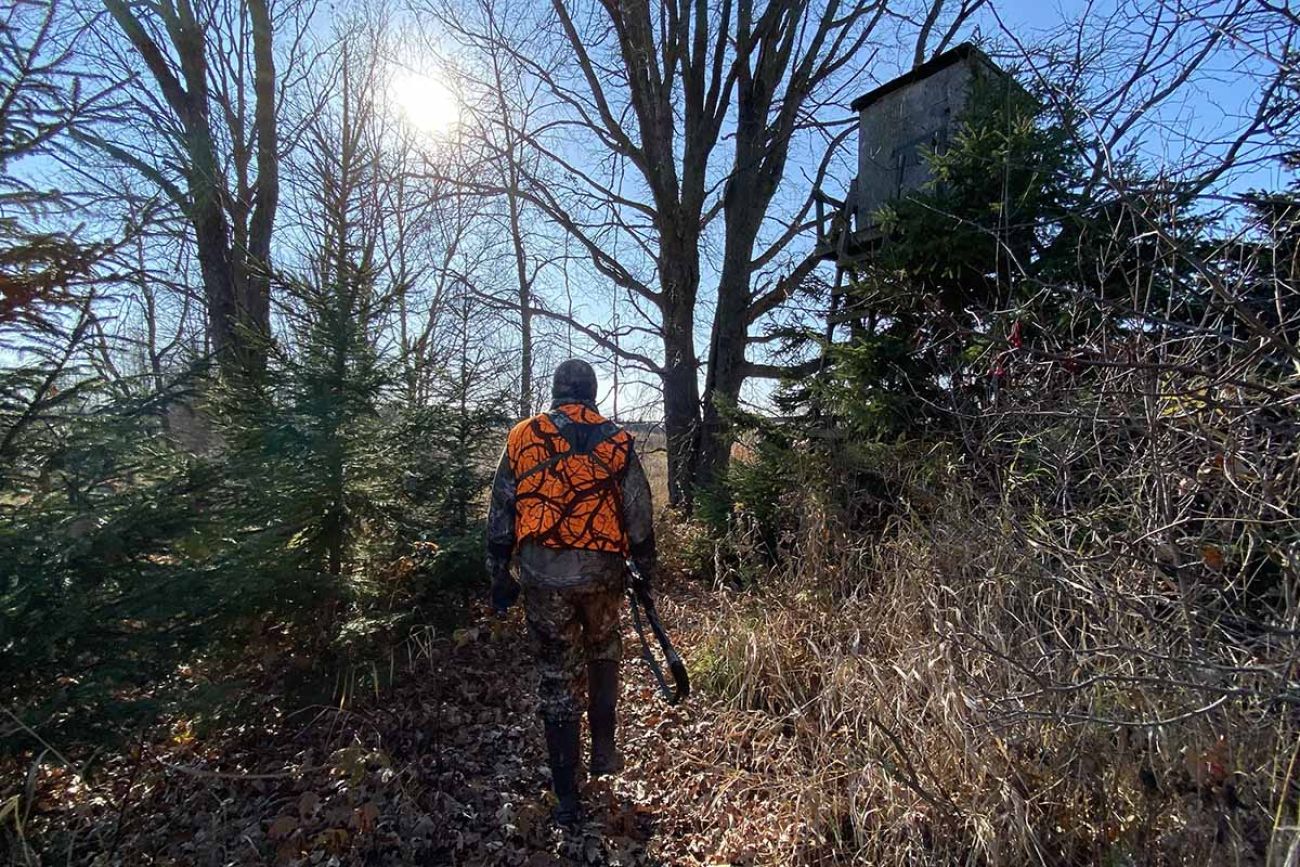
point(282, 827)
point(365, 817)
point(308, 804)
point(333, 840)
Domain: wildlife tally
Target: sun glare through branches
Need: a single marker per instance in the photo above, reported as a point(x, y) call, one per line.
point(425, 102)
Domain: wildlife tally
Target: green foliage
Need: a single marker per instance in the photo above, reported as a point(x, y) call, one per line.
point(1001, 192)
point(757, 490)
point(313, 459)
point(1000, 248)
point(335, 482)
point(973, 242)
point(447, 469)
point(99, 593)
point(330, 518)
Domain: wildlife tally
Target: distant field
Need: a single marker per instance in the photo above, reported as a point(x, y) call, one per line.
point(652, 447)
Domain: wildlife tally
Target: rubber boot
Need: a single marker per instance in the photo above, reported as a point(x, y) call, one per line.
point(602, 716)
point(562, 747)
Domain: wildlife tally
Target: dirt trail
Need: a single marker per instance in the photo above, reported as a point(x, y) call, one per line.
point(447, 767)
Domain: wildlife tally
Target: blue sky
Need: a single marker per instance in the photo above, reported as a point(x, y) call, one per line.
point(1211, 106)
point(1214, 102)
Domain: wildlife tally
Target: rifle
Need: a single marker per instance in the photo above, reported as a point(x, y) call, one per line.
point(638, 597)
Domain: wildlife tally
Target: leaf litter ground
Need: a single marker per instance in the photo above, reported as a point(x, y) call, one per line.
point(446, 767)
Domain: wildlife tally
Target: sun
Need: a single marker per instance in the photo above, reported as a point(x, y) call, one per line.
point(426, 102)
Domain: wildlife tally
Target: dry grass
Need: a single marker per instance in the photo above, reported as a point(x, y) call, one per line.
point(899, 722)
point(1063, 627)
point(1078, 646)
point(652, 449)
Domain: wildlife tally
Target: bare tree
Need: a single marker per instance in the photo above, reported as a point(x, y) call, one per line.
point(202, 124)
point(640, 96)
point(514, 105)
point(671, 214)
point(789, 61)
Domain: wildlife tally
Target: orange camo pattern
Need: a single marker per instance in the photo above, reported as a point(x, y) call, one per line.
point(574, 502)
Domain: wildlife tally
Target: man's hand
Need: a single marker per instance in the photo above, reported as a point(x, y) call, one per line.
point(505, 592)
point(641, 574)
point(505, 589)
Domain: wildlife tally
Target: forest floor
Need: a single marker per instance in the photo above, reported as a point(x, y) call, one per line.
point(445, 767)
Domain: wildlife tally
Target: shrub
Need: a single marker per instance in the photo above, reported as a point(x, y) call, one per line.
point(327, 520)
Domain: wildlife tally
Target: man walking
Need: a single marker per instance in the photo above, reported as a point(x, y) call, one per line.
point(570, 502)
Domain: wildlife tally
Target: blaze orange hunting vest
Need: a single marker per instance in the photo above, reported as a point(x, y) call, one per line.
point(568, 466)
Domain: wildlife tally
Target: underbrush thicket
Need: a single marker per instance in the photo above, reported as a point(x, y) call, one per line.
point(1021, 585)
point(164, 545)
point(983, 683)
point(186, 513)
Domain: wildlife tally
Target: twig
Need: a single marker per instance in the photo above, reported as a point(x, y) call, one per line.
point(228, 775)
point(909, 775)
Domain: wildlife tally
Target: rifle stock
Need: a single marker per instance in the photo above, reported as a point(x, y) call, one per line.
point(639, 598)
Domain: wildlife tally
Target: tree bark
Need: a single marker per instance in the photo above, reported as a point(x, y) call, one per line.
point(763, 54)
point(257, 292)
point(514, 204)
point(785, 51)
point(743, 201)
point(680, 280)
point(526, 400)
point(236, 277)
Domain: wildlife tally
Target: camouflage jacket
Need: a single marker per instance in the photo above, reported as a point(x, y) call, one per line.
point(546, 566)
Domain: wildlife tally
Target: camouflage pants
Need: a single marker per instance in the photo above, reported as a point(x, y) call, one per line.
point(571, 626)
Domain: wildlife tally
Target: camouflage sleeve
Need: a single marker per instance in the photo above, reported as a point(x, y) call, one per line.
point(638, 513)
point(501, 518)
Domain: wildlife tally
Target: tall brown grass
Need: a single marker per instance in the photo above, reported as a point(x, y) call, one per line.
point(915, 719)
point(1071, 650)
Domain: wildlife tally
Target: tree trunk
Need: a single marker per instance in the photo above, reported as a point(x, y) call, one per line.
point(236, 278)
point(722, 383)
point(680, 278)
point(744, 201)
point(525, 300)
point(257, 289)
point(681, 410)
